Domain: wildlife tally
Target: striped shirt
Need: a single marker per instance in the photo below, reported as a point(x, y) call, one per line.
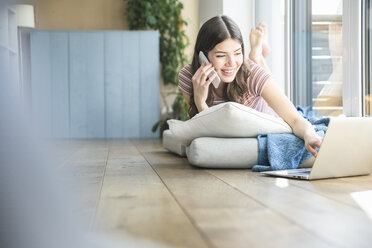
point(252, 98)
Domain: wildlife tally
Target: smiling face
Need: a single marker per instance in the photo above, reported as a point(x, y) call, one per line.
point(226, 57)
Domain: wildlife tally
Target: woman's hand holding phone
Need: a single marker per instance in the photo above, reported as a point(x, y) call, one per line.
point(201, 82)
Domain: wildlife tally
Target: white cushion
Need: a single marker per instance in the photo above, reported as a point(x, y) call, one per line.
point(232, 153)
point(172, 144)
point(227, 120)
point(223, 152)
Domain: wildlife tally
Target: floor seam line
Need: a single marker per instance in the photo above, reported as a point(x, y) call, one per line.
point(94, 219)
point(201, 233)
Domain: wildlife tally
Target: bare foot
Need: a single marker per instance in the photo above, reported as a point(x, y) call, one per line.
point(259, 45)
point(266, 50)
point(256, 41)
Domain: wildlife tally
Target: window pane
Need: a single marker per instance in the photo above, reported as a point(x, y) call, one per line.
point(327, 56)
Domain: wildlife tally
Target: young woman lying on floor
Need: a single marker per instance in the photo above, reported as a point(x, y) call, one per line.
point(243, 80)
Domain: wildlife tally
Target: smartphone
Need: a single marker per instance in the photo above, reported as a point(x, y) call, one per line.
point(216, 81)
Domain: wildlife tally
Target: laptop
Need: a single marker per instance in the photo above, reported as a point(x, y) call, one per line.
point(346, 151)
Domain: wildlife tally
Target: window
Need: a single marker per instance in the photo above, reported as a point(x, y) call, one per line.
point(316, 55)
point(326, 59)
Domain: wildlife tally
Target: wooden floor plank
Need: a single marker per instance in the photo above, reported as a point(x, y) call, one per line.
point(226, 216)
point(154, 198)
point(332, 189)
point(338, 224)
point(135, 203)
point(83, 166)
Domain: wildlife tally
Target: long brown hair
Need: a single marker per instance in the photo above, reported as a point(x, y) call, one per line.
point(213, 32)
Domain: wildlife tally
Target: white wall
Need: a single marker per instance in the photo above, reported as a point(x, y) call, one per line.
point(241, 11)
point(9, 74)
point(209, 9)
point(272, 13)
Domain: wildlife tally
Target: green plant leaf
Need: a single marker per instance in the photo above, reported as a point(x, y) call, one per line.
point(164, 16)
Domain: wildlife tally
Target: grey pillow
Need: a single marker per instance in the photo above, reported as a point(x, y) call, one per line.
point(229, 153)
point(172, 144)
point(218, 152)
point(223, 152)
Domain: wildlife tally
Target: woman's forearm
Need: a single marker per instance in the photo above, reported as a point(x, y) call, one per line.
point(302, 128)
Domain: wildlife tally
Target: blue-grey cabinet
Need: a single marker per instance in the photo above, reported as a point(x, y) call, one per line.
point(95, 84)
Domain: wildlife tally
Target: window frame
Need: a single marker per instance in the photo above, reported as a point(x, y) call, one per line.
point(352, 57)
point(300, 34)
point(367, 54)
point(355, 63)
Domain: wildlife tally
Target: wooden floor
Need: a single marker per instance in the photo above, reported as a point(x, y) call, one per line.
point(147, 197)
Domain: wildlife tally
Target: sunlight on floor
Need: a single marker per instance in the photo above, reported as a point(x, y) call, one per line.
point(364, 200)
point(281, 182)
